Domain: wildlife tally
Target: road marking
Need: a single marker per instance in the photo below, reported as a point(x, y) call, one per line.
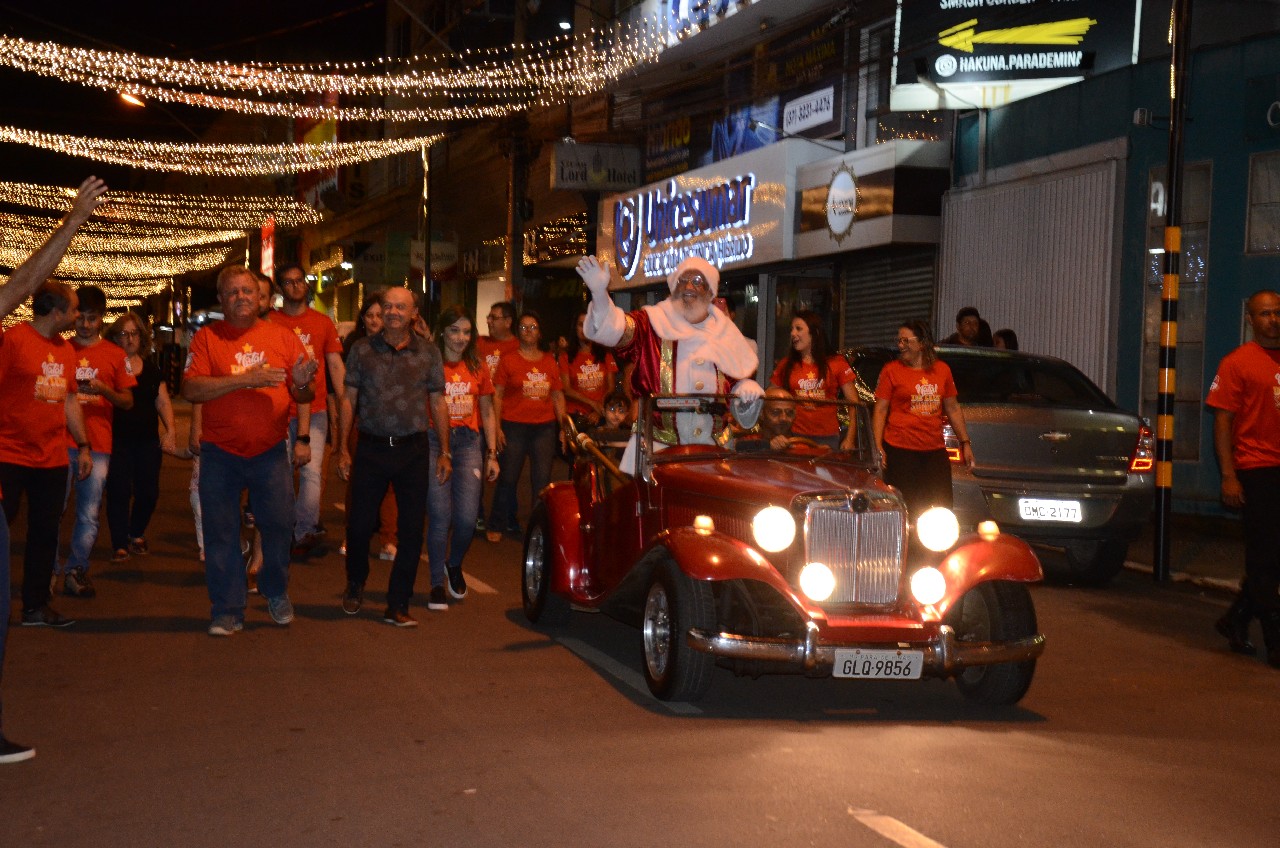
point(480, 586)
point(893, 830)
point(626, 675)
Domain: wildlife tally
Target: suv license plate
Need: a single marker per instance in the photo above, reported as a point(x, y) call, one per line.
point(1036, 509)
point(878, 664)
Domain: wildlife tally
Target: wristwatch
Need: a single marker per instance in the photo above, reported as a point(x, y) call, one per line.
point(303, 440)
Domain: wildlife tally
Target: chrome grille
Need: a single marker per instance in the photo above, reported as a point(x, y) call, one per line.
point(863, 548)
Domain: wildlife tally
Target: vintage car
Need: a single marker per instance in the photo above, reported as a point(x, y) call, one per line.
point(795, 560)
point(1058, 463)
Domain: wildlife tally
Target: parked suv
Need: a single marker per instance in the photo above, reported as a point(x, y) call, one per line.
point(1057, 462)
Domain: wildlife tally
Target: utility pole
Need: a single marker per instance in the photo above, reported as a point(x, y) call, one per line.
point(517, 155)
point(1179, 31)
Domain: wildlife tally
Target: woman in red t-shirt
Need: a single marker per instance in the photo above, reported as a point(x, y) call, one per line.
point(809, 371)
point(587, 374)
point(528, 400)
point(912, 394)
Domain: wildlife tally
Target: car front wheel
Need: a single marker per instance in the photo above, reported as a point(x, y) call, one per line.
point(675, 603)
point(541, 605)
point(995, 612)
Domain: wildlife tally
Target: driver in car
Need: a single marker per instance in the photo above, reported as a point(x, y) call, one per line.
point(776, 421)
point(683, 345)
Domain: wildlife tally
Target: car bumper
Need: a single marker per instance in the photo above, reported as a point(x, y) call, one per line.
point(944, 655)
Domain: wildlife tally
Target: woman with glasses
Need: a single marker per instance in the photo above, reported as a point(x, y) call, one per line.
point(809, 371)
point(528, 400)
point(913, 394)
point(133, 480)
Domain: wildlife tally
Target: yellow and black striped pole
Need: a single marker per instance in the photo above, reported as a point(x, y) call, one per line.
point(1179, 31)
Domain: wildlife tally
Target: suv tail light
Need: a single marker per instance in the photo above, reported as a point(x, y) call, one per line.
point(955, 452)
point(1144, 452)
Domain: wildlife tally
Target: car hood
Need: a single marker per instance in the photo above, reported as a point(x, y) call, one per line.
point(761, 479)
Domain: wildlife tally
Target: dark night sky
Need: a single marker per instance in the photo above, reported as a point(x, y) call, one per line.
point(277, 30)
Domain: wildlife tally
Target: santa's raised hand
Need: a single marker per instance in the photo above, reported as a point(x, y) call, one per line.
point(596, 275)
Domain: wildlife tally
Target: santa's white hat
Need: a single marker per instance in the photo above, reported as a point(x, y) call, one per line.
point(702, 266)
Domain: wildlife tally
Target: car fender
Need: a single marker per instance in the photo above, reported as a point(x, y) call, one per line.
point(975, 560)
point(563, 520)
point(714, 556)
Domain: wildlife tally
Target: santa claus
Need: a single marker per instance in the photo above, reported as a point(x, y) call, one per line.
point(682, 345)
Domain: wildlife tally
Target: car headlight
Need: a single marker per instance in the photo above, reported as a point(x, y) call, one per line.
point(774, 528)
point(937, 528)
point(817, 581)
point(928, 585)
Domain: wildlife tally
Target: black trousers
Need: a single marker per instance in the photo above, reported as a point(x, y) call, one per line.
point(133, 489)
point(46, 489)
point(375, 466)
point(1261, 537)
point(923, 477)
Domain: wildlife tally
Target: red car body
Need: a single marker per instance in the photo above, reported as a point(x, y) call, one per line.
point(682, 528)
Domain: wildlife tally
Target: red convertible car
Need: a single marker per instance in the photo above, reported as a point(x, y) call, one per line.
point(796, 559)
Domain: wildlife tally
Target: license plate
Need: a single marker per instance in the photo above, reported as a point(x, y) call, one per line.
point(1039, 509)
point(870, 664)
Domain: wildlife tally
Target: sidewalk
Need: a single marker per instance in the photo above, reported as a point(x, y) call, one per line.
point(1204, 550)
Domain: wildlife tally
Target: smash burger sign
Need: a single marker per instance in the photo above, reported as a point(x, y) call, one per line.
point(989, 52)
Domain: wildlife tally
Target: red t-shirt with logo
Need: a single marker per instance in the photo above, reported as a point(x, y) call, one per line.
point(587, 377)
point(491, 351)
point(109, 363)
point(463, 389)
point(319, 336)
point(1248, 385)
point(805, 382)
point(527, 388)
point(915, 404)
point(244, 422)
point(35, 375)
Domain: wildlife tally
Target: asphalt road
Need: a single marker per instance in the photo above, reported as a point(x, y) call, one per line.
point(477, 730)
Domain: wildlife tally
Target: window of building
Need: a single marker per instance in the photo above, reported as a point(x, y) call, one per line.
point(1264, 204)
point(1197, 186)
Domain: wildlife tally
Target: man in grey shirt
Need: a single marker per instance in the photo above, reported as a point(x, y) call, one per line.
point(392, 379)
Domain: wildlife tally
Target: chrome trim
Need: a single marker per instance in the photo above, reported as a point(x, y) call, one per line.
point(944, 655)
point(1056, 436)
point(861, 536)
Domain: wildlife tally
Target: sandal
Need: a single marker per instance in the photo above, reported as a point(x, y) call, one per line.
point(120, 555)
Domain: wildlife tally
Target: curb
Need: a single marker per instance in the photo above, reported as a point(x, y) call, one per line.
point(1220, 583)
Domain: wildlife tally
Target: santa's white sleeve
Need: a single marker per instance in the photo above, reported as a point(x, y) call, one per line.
point(605, 322)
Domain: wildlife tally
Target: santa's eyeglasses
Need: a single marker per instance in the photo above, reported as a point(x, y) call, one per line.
point(693, 279)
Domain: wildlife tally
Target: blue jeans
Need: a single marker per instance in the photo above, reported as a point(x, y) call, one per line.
point(536, 442)
point(454, 504)
point(269, 479)
point(84, 533)
point(307, 509)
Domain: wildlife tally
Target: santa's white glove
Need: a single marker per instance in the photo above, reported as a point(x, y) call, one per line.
point(595, 274)
point(748, 400)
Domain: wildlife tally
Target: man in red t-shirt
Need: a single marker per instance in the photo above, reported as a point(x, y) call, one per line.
point(245, 371)
point(319, 338)
point(104, 384)
point(22, 282)
point(37, 367)
point(1245, 397)
point(502, 338)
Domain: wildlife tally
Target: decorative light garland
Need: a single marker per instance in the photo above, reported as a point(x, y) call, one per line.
point(120, 296)
point(514, 77)
point(238, 212)
point(114, 236)
point(78, 264)
point(218, 159)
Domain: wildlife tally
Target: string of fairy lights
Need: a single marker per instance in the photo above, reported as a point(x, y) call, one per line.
point(114, 236)
point(199, 211)
point(512, 77)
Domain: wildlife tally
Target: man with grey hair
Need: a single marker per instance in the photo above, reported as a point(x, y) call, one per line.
point(706, 352)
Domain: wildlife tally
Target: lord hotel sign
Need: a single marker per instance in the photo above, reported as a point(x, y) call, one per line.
point(736, 214)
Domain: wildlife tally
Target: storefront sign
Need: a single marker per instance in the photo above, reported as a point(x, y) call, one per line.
point(809, 111)
point(1262, 109)
point(736, 213)
point(955, 54)
point(595, 167)
point(888, 194)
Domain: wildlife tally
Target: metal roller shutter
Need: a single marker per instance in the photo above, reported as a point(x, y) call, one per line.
point(884, 288)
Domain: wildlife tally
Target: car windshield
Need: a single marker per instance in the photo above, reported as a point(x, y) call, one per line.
point(678, 428)
point(984, 377)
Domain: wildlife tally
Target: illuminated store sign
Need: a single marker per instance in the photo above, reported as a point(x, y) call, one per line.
point(669, 222)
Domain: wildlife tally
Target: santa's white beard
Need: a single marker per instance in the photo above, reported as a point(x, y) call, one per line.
point(693, 309)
